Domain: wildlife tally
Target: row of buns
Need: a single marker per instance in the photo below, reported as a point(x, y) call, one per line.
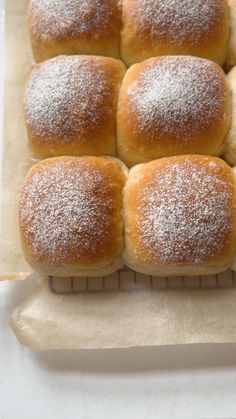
point(134, 30)
point(164, 106)
point(88, 216)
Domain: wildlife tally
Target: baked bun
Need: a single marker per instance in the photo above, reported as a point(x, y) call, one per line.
point(180, 216)
point(70, 105)
point(74, 27)
point(172, 105)
point(70, 216)
point(169, 27)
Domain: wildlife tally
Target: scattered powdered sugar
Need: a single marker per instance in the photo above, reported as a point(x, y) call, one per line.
point(57, 18)
point(65, 211)
point(180, 21)
point(65, 98)
point(178, 95)
point(185, 213)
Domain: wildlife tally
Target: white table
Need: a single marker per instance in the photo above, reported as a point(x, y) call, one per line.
point(197, 381)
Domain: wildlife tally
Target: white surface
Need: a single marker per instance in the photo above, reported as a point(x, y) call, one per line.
point(197, 381)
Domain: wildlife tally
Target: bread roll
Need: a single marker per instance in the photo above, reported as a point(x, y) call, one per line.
point(180, 216)
point(172, 105)
point(169, 27)
point(70, 216)
point(74, 27)
point(70, 105)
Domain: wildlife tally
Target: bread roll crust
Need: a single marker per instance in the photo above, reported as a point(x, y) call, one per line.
point(70, 105)
point(157, 27)
point(172, 105)
point(180, 216)
point(74, 27)
point(70, 216)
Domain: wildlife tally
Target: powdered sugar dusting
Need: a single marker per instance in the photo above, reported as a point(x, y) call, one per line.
point(180, 21)
point(186, 213)
point(65, 211)
point(57, 18)
point(178, 96)
point(64, 98)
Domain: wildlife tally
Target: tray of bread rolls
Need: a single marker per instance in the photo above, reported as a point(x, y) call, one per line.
point(118, 191)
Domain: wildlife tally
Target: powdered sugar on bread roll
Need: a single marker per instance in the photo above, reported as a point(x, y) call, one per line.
point(74, 27)
point(70, 215)
point(70, 105)
point(158, 27)
point(180, 216)
point(172, 105)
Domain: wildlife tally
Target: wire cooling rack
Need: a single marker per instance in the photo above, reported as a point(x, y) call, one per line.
point(126, 280)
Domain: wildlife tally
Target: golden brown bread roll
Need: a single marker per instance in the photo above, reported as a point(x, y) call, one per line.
point(70, 216)
point(180, 216)
point(70, 105)
point(168, 27)
point(74, 27)
point(172, 105)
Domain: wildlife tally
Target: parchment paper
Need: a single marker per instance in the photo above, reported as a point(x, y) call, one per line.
point(16, 156)
point(121, 310)
point(124, 318)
